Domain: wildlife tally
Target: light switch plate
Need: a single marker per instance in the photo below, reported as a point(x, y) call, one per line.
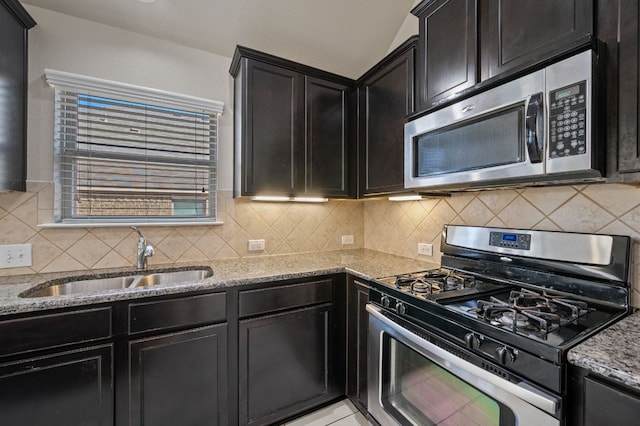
point(15, 256)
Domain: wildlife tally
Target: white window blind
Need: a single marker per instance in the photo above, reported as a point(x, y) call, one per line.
point(119, 158)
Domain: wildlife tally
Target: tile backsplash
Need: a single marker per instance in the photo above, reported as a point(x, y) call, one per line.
point(285, 227)
point(391, 227)
point(397, 228)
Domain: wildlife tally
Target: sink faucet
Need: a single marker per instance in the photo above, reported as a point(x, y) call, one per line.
point(144, 251)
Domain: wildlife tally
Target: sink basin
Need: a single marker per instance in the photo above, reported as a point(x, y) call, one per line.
point(173, 277)
point(83, 286)
point(114, 283)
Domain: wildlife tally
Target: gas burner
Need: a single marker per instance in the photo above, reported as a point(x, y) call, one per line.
point(421, 287)
point(435, 273)
point(530, 312)
point(404, 280)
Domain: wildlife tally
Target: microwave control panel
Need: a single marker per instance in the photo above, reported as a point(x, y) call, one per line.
point(568, 120)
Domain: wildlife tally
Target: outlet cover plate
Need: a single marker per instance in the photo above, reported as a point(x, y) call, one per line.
point(347, 239)
point(425, 249)
point(15, 256)
point(256, 245)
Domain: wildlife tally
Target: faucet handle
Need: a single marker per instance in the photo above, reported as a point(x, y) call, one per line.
point(149, 251)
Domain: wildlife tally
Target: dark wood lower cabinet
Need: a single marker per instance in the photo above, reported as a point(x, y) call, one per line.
point(287, 364)
point(67, 388)
point(357, 328)
point(179, 378)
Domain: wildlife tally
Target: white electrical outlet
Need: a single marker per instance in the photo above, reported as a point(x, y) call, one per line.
point(15, 256)
point(425, 249)
point(347, 239)
point(256, 245)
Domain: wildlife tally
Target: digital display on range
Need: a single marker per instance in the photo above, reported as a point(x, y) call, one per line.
point(509, 237)
point(569, 91)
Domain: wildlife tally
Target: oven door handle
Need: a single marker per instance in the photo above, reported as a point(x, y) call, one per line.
point(462, 368)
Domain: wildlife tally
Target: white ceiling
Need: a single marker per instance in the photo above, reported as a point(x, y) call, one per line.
point(343, 36)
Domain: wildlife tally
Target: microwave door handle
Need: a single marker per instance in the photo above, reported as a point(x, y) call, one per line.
point(534, 127)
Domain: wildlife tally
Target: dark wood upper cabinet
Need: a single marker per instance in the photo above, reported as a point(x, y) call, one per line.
point(447, 49)
point(386, 98)
point(14, 24)
point(292, 127)
point(516, 34)
point(618, 26)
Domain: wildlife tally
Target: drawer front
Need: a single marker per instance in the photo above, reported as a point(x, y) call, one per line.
point(46, 331)
point(177, 313)
point(606, 405)
point(260, 301)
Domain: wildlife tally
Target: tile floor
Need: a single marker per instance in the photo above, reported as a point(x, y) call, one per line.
point(342, 413)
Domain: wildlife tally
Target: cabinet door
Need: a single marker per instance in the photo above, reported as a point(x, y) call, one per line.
point(13, 102)
point(179, 378)
point(69, 388)
point(520, 33)
point(327, 115)
point(286, 364)
point(273, 150)
point(607, 405)
point(357, 324)
point(624, 73)
point(386, 98)
point(447, 50)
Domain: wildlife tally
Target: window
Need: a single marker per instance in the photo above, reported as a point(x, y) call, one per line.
point(130, 154)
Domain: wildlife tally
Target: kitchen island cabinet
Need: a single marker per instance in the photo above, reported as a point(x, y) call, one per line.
point(292, 126)
point(57, 369)
point(386, 98)
point(291, 349)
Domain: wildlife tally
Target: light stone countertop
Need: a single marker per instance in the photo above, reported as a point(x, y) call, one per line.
point(613, 353)
point(366, 264)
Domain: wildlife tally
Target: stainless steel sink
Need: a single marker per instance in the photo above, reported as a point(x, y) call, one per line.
point(85, 286)
point(173, 277)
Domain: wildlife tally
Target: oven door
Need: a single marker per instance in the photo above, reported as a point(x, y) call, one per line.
point(414, 382)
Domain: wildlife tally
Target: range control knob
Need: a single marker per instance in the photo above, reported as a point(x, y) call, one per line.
point(472, 340)
point(400, 308)
point(386, 302)
point(505, 355)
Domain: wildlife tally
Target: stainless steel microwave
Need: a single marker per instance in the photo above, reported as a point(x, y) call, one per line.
point(541, 128)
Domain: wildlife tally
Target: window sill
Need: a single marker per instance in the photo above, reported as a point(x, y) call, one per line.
point(125, 224)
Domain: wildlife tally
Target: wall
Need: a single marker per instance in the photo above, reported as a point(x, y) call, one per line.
point(397, 228)
point(74, 45)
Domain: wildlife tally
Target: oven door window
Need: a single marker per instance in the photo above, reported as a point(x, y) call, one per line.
point(416, 391)
point(494, 139)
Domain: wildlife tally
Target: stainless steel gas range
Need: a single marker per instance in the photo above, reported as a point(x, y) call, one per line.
point(484, 339)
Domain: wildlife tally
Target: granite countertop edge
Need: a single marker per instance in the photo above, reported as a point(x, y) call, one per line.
point(362, 263)
point(614, 353)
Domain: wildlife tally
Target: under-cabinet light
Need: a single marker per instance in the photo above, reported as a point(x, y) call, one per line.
point(269, 198)
point(408, 197)
point(310, 199)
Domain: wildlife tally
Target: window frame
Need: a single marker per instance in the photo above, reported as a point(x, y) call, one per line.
point(64, 81)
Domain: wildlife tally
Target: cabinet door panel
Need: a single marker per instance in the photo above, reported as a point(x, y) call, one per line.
point(518, 33)
point(326, 142)
point(629, 89)
point(179, 379)
point(285, 364)
point(70, 388)
point(606, 405)
point(447, 51)
point(386, 100)
point(273, 128)
point(357, 320)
